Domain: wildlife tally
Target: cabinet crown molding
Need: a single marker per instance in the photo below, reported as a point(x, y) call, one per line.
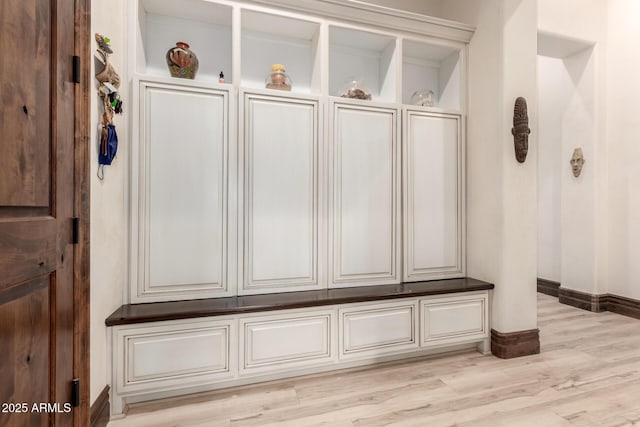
point(366, 13)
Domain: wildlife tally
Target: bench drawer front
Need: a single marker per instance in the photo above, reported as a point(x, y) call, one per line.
point(291, 340)
point(455, 319)
point(376, 329)
point(161, 356)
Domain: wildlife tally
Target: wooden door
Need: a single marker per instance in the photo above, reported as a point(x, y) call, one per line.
point(37, 134)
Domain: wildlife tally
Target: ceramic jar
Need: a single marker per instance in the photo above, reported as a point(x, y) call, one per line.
point(182, 62)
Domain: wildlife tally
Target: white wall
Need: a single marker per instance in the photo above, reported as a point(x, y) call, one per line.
point(572, 116)
point(580, 260)
point(554, 89)
point(580, 19)
point(623, 133)
point(567, 208)
point(108, 234)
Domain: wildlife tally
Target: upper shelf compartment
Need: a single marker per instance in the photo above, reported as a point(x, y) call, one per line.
point(205, 26)
point(430, 67)
point(366, 57)
point(271, 39)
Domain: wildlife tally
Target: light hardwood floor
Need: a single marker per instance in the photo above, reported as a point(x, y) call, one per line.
point(588, 374)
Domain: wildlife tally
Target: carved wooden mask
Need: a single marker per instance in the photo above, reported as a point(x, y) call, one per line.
point(520, 130)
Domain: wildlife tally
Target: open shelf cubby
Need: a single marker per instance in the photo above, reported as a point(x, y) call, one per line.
point(205, 26)
point(363, 56)
point(431, 67)
point(269, 39)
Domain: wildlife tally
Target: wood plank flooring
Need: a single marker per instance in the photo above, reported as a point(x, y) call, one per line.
point(588, 374)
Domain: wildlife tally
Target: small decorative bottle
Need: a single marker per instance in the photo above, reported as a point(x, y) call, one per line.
point(221, 77)
point(278, 78)
point(182, 61)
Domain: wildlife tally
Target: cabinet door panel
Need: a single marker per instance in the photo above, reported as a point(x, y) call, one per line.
point(286, 341)
point(365, 195)
point(372, 330)
point(183, 232)
point(173, 354)
point(432, 196)
point(281, 194)
point(451, 320)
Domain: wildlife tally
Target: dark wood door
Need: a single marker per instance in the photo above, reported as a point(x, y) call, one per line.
point(37, 132)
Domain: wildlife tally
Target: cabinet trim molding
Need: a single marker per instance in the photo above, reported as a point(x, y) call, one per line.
point(375, 15)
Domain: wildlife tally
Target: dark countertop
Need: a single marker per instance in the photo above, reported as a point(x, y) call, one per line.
point(174, 310)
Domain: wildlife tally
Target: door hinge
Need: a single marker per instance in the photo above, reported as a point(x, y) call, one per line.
point(75, 392)
point(75, 231)
point(76, 69)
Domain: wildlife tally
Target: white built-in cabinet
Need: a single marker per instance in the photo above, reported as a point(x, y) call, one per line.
point(238, 190)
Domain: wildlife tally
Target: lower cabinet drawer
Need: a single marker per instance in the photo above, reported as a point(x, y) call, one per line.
point(160, 356)
point(454, 320)
point(271, 343)
point(371, 330)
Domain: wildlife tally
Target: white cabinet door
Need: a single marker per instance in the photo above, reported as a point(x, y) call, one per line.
point(453, 320)
point(364, 211)
point(173, 354)
point(371, 330)
point(179, 204)
point(281, 194)
point(432, 196)
point(286, 341)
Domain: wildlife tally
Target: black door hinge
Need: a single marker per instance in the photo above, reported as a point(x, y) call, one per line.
point(75, 231)
point(75, 392)
point(76, 69)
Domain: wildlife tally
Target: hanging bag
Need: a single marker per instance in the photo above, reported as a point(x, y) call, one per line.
point(108, 144)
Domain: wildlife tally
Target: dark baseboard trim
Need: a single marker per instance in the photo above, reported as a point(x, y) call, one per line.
point(100, 410)
point(515, 344)
point(600, 302)
point(622, 305)
point(548, 287)
point(583, 300)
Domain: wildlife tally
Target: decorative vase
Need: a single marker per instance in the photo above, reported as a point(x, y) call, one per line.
point(182, 61)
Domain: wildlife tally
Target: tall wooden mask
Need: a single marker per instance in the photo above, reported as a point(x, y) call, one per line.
point(520, 130)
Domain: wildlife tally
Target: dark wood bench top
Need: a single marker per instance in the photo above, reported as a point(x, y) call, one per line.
point(174, 310)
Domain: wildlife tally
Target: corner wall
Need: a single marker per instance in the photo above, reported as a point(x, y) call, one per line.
point(623, 133)
point(572, 115)
point(501, 193)
point(108, 234)
point(554, 89)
